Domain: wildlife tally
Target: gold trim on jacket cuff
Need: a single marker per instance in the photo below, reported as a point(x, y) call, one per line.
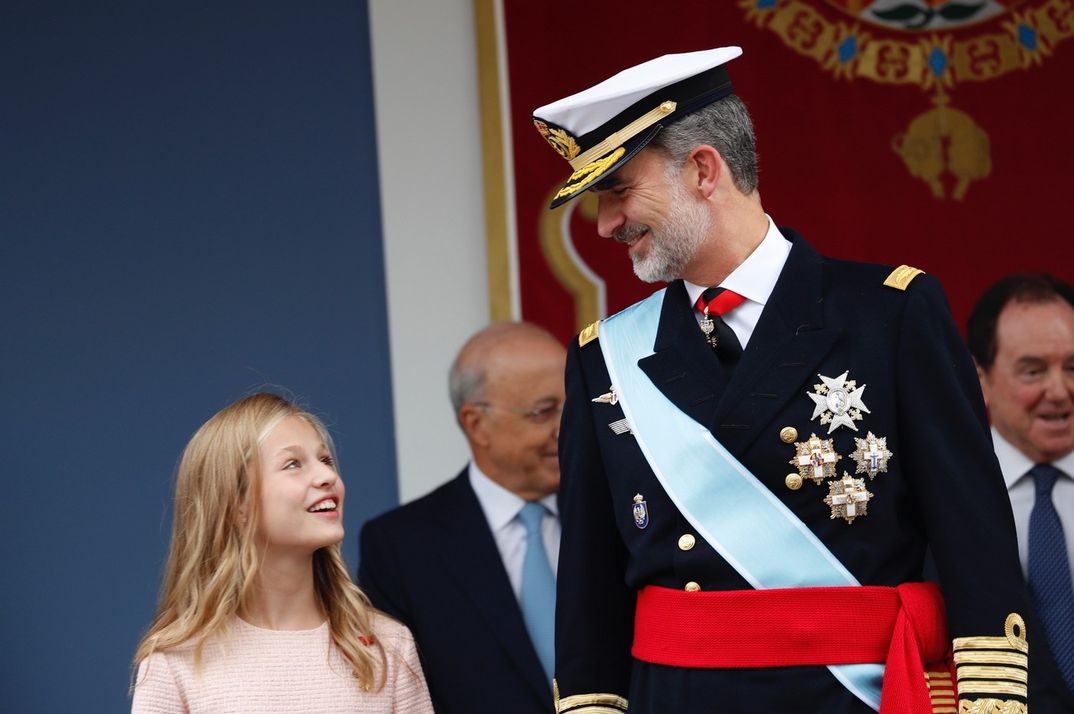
point(591, 704)
point(992, 706)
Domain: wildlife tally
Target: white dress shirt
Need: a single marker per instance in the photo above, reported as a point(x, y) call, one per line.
point(1022, 490)
point(501, 509)
point(754, 280)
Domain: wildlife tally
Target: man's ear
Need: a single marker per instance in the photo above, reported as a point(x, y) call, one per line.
point(982, 376)
point(472, 421)
point(707, 166)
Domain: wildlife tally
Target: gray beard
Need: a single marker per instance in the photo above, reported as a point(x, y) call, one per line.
point(676, 243)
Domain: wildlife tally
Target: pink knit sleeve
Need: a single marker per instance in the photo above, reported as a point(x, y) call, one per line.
point(155, 688)
point(410, 694)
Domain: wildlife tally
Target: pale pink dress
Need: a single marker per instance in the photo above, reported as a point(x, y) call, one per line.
point(277, 671)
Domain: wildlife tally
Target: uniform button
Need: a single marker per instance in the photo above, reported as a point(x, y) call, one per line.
point(686, 541)
point(788, 434)
point(692, 587)
point(793, 481)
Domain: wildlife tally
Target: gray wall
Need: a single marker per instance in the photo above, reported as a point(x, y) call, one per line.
point(188, 211)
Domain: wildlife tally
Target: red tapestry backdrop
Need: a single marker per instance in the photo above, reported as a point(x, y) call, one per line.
point(926, 132)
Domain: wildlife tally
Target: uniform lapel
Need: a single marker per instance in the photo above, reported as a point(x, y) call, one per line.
point(788, 343)
point(683, 367)
point(478, 570)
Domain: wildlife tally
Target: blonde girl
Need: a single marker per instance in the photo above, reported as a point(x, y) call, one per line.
point(257, 610)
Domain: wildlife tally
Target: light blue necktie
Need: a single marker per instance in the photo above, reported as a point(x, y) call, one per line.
point(1049, 572)
point(538, 588)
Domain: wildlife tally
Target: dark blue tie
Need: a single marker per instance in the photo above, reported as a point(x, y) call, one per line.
point(538, 588)
point(1049, 572)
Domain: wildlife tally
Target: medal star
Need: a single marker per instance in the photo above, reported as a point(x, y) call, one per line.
point(838, 402)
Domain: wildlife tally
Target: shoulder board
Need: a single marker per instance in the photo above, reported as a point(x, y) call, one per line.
point(588, 334)
point(902, 276)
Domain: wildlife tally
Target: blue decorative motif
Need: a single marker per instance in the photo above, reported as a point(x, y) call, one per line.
point(766, 4)
point(937, 61)
point(848, 48)
point(1028, 37)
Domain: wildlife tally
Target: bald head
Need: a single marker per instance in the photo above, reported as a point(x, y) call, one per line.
point(506, 386)
point(489, 349)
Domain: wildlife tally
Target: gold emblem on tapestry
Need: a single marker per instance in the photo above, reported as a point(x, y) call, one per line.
point(587, 175)
point(558, 139)
point(926, 44)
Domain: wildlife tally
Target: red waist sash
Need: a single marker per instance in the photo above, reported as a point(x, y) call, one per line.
point(904, 627)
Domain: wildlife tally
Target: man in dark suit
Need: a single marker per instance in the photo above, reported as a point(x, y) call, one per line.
point(470, 567)
point(755, 459)
point(1021, 335)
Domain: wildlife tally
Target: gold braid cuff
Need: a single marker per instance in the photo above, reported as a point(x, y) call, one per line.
point(994, 667)
point(591, 704)
point(992, 706)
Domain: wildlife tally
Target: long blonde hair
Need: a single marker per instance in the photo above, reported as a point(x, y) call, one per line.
point(213, 561)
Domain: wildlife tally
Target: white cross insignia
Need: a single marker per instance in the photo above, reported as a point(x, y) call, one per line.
point(815, 459)
point(838, 402)
point(872, 455)
point(848, 498)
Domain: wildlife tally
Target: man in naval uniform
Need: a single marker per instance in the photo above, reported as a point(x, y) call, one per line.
point(755, 458)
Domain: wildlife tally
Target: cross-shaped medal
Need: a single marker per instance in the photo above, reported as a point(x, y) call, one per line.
point(848, 498)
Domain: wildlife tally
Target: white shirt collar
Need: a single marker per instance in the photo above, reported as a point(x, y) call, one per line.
point(755, 278)
point(500, 505)
point(1014, 464)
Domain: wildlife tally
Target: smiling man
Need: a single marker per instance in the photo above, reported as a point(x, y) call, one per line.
point(755, 458)
point(470, 567)
point(1021, 334)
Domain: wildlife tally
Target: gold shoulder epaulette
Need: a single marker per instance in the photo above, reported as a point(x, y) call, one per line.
point(902, 276)
point(588, 334)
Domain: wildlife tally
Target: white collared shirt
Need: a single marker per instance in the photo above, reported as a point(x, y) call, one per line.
point(1022, 490)
point(754, 280)
point(501, 509)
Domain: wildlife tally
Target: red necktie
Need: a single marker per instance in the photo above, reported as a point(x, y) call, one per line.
point(713, 303)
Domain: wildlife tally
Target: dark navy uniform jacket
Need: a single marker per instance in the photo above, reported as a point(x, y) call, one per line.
point(942, 489)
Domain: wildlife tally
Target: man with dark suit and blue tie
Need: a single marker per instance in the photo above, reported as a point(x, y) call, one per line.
point(470, 567)
point(1021, 335)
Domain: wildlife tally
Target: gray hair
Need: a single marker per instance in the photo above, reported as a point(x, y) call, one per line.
point(466, 382)
point(469, 372)
point(724, 125)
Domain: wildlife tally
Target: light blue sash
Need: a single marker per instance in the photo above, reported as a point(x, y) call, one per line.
point(741, 519)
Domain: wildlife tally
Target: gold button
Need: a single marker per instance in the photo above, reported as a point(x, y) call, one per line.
point(788, 434)
point(686, 541)
point(692, 587)
point(793, 481)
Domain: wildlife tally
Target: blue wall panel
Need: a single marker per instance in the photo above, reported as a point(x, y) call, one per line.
point(188, 211)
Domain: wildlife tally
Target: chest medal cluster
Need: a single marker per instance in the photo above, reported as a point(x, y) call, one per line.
point(838, 402)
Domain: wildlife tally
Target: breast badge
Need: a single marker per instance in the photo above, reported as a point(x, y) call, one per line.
point(609, 397)
point(620, 427)
point(872, 455)
point(838, 402)
point(815, 459)
point(641, 511)
point(848, 498)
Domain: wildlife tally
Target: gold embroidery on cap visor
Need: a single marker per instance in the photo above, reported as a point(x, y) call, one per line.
point(624, 135)
point(588, 174)
point(558, 139)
